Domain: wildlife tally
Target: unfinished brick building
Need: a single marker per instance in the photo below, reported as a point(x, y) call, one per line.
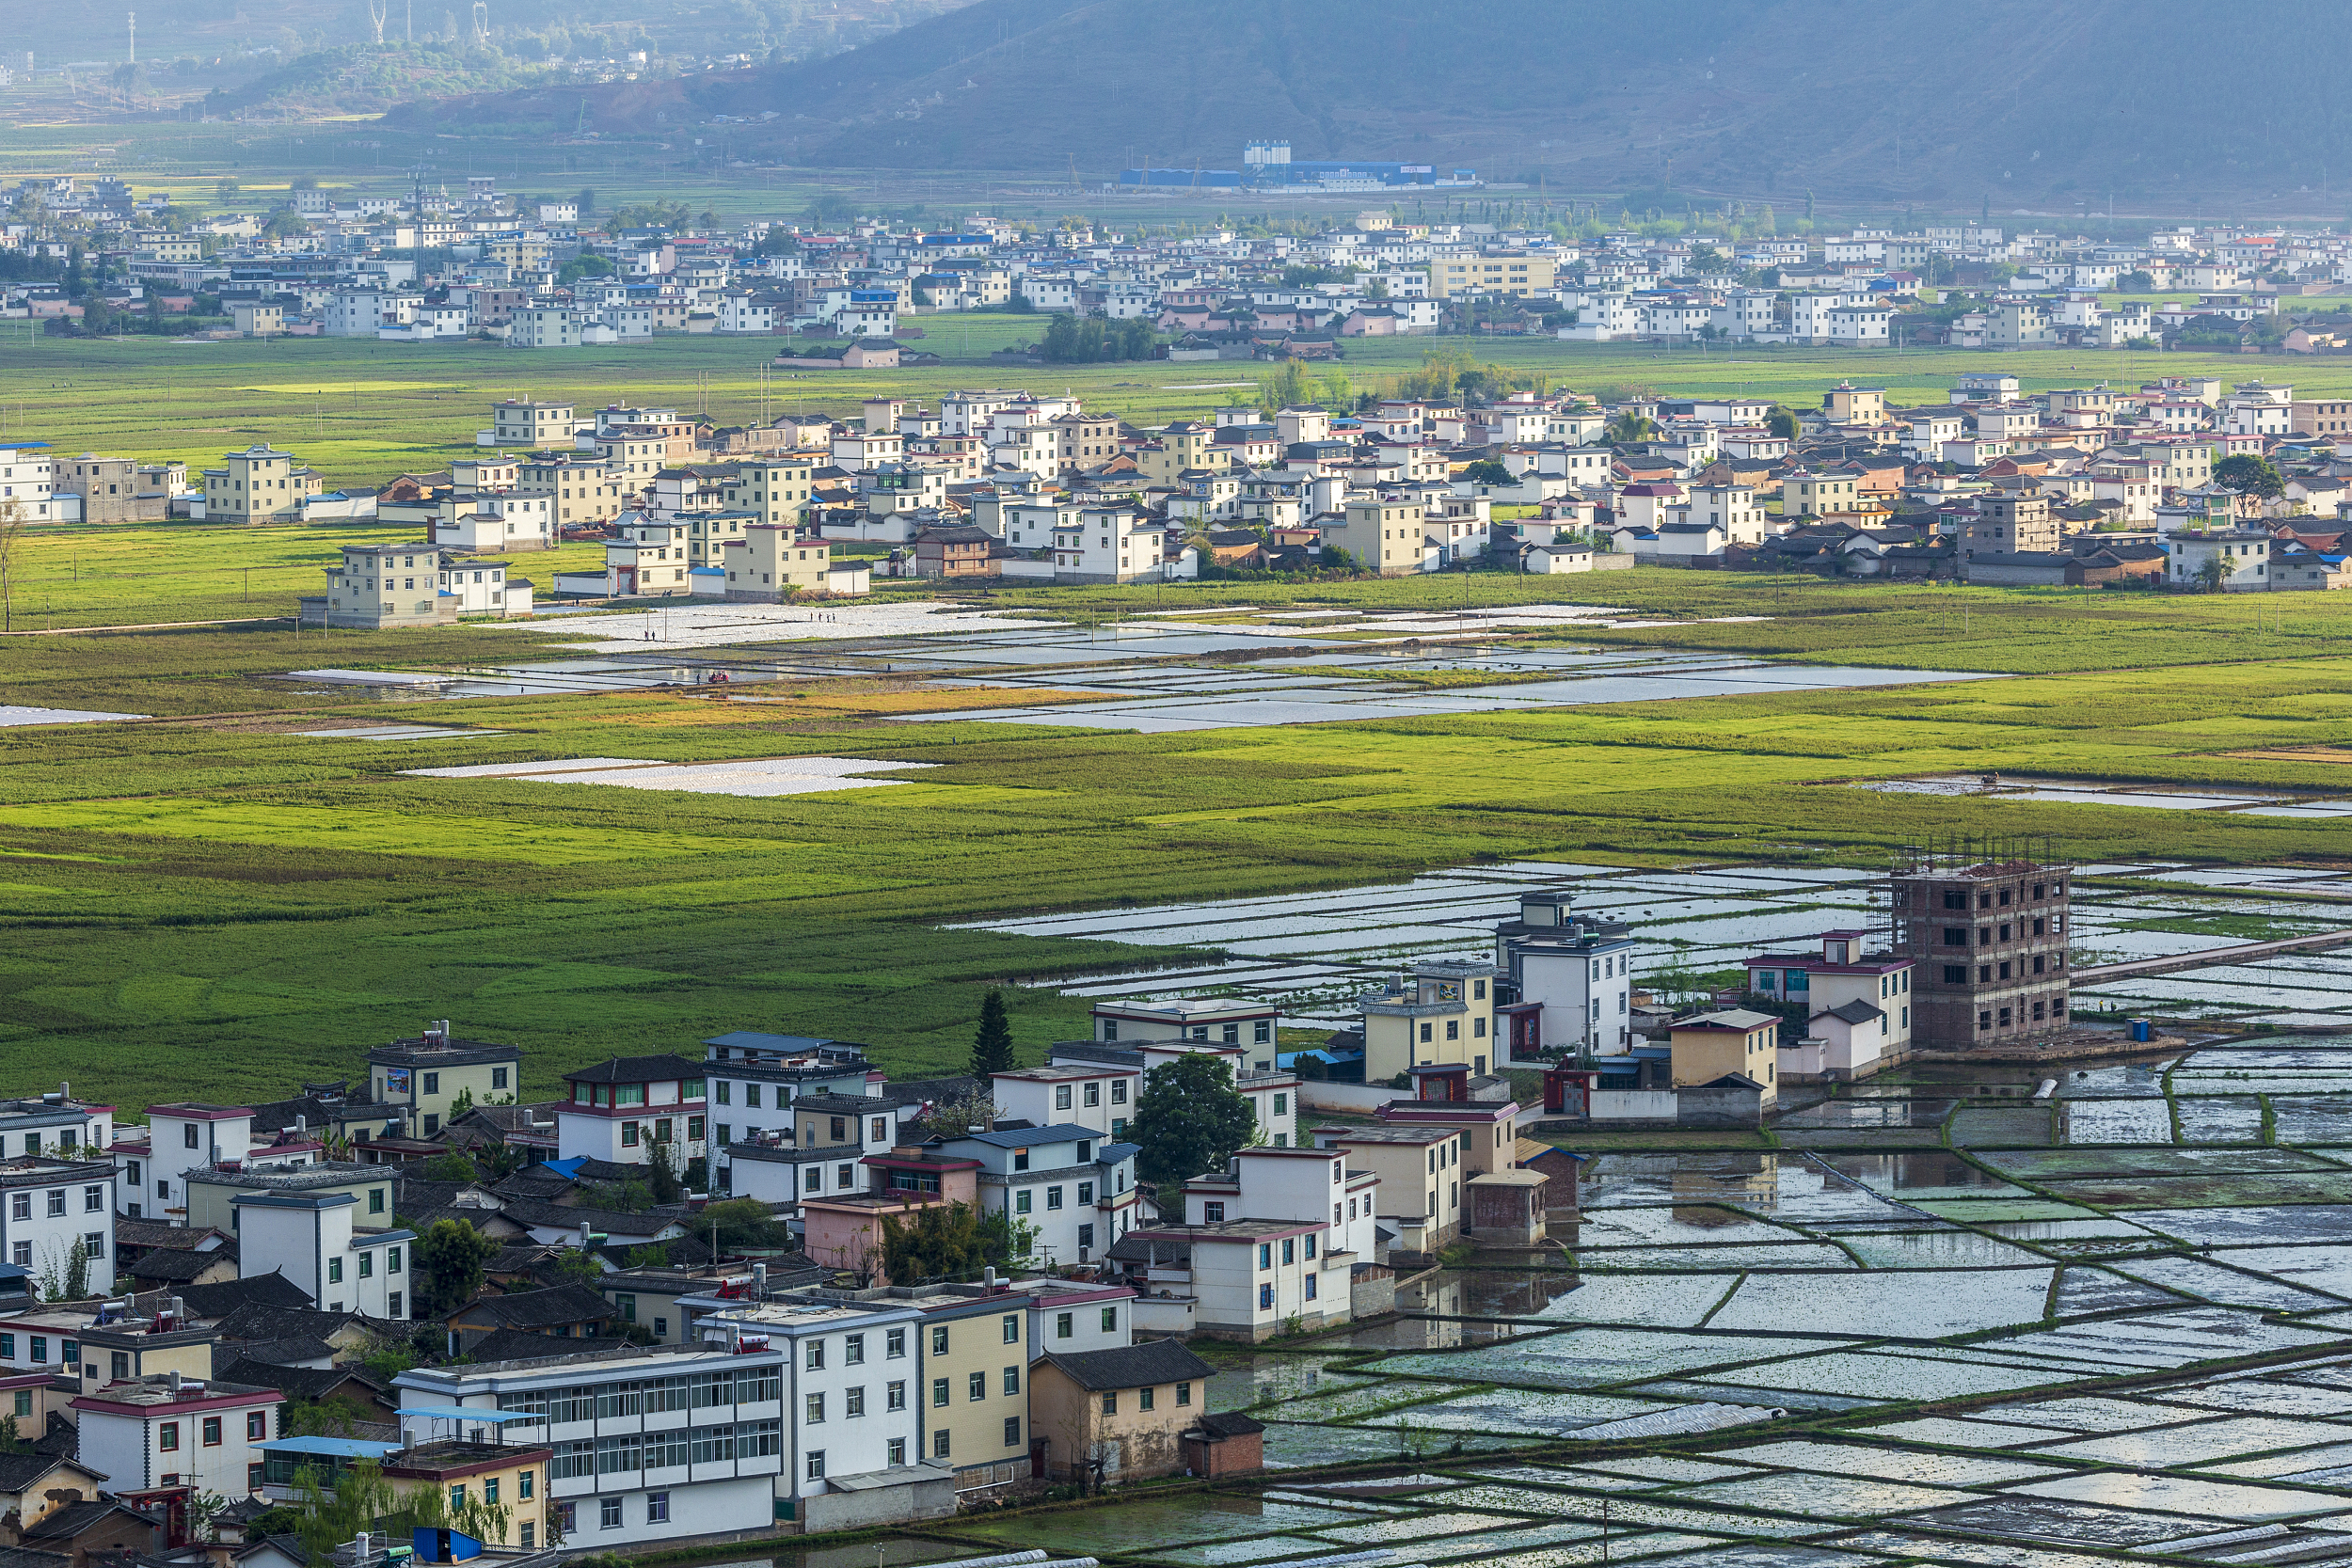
point(1986, 926)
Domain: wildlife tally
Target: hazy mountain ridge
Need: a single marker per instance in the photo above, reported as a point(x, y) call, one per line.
point(1952, 105)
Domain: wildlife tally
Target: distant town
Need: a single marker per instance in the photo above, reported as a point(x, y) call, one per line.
point(412, 262)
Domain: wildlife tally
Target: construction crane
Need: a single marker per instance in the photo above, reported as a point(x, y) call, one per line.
point(1074, 186)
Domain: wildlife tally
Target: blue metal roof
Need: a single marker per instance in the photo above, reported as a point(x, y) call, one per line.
point(752, 1039)
point(1110, 1154)
point(338, 1448)
point(1025, 1137)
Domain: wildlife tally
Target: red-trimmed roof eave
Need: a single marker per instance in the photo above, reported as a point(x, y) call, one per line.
point(1817, 965)
point(210, 1401)
point(1449, 1110)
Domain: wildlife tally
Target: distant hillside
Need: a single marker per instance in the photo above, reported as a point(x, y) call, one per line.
point(1948, 102)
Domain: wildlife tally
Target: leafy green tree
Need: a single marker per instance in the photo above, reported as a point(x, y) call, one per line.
point(2250, 475)
point(1287, 388)
point(1628, 427)
point(579, 267)
point(388, 1361)
point(77, 1272)
point(2213, 574)
point(633, 1197)
point(452, 1166)
point(1783, 423)
point(1487, 471)
point(578, 1266)
point(1706, 257)
point(1188, 1118)
point(951, 1241)
point(450, 1254)
point(991, 1047)
point(361, 1499)
point(653, 1255)
point(740, 1224)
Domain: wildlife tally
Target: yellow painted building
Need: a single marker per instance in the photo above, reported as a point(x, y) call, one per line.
point(1384, 535)
point(259, 484)
point(1443, 1014)
point(771, 560)
point(778, 488)
point(1116, 1414)
point(1734, 1039)
point(975, 1387)
point(1513, 273)
point(1180, 448)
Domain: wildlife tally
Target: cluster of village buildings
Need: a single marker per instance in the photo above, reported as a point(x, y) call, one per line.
point(2084, 485)
point(541, 273)
point(181, 1298)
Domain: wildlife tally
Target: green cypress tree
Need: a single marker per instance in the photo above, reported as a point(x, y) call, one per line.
point(992, 1048)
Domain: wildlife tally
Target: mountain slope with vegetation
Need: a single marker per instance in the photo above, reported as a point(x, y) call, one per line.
point(1994, 101)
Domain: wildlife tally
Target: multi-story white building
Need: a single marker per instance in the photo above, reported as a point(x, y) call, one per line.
point(544, 326)
point(1075, 1187)
point(1573, 978)
point(170, 1430)
point(519, 422)
point(181, 1137)
point(53, 1124)
point(1110, 544)
point(651, 1443)
point(621, 1110)
point(1290, 1184)
point(28, 480)
point(752, 1078)
point(2243, 556)
point(314, 1239)
point(52, 1205)
point(856, 1395)
point(1095, 1094)
point(815, 1147)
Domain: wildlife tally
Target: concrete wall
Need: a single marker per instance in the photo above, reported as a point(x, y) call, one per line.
point(1356, 1099)
point(1373, 1292)
point(1634, 1104)
point(1157, 1316)
point(930, 1496)
point(1702, 1106)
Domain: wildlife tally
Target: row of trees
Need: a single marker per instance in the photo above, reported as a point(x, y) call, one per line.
point(1094, 341)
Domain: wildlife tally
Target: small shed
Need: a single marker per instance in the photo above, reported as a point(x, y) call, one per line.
point(1227, 1445)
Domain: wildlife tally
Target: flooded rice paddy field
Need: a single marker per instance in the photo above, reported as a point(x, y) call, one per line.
point(1316, 952)
point(2058, 1337)
point(1148, 676)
